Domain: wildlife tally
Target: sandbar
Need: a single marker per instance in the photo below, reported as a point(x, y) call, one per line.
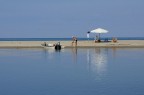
point(68, 44)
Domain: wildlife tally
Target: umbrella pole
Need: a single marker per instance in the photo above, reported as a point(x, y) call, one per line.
point(99, 36)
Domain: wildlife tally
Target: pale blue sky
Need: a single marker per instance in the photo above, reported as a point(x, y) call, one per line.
point(66, 18)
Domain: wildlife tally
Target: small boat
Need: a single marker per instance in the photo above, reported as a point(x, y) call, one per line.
point(56, 46)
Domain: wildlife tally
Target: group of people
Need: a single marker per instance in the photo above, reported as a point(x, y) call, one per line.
point(97, 39)
point(114, 40)
point(74, 41)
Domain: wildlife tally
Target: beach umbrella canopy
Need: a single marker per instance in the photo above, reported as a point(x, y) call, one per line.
point(99, 31)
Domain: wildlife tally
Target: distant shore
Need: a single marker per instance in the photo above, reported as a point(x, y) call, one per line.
point(67, 39)
point(68, 44)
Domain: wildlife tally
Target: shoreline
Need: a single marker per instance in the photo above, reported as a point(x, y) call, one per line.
point(80, 44)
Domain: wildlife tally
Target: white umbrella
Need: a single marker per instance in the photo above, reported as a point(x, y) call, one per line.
point(99, 31)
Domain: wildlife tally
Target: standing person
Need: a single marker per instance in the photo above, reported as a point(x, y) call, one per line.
point(88, 35)
point(75, 41)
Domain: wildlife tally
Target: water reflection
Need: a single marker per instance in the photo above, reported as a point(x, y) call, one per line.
point(114, 52)
point(20, 52)
point(97, 62)
point(48, 54)
point(74, 54)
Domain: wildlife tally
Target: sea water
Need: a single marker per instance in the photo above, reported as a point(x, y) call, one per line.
point(73, 71)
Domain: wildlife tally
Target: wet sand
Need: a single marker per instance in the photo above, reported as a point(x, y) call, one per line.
point(68, 44)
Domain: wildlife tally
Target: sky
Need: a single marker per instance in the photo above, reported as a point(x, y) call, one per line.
point(67, 18)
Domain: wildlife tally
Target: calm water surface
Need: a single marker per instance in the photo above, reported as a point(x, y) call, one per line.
point(88, 71)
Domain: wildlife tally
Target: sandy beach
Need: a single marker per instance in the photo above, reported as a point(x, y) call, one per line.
point(68, 44)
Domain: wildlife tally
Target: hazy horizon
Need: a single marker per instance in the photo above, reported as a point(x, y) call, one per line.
point(64, 19)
